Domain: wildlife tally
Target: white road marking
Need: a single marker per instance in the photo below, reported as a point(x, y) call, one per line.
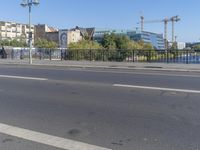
point(21, 77)
point(46, 139)
point(157, 88)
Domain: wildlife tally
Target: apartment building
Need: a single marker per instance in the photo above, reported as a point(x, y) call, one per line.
point(18, 31)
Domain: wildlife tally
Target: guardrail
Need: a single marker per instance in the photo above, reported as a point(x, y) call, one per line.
point(162, 56)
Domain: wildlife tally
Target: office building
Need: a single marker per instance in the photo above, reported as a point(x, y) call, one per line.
point(148, 37)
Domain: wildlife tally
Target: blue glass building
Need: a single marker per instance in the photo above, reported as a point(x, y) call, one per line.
point(148, 37)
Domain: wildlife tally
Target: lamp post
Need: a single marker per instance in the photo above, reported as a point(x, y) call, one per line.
point(29, 4)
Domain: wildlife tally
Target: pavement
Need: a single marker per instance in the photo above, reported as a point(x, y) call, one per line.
point(107, 65)
point(55, 107)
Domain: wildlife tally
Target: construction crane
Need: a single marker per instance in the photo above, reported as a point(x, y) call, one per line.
point(173, 20)
point(166, 20)
point(142, 23)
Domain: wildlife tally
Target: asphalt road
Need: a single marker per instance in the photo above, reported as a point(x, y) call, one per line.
point(84, 105)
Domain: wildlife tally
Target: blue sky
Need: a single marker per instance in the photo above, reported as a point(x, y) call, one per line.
point(119, 14)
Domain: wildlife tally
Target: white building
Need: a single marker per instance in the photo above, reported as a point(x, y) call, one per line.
point(181, 45)
point(69, 36)
point(12, 30)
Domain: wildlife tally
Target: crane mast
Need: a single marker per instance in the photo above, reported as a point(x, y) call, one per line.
point(166, 20)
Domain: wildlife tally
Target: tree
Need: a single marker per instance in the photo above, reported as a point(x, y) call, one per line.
point(122, 42)
point(197, 47)
point(145, 46)
point(85, 44)
point(109, 41)
point(43, 43)
point(174, 46)
point(134, 45)
point(13, 43)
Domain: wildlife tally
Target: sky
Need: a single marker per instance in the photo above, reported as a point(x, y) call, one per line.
point(110, 14)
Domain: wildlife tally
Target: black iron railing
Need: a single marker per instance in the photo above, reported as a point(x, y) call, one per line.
point(162, 56)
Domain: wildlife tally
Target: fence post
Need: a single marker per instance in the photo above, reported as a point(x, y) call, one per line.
point(65, 54)
point(187, 56)
point(12, 54)
point(61, 55)
point(21, 55)
point(149, 56)
point(103, 55)
point(90, 55)
point(77, 55)
point(167, 56)
point(40, 54)
point(133, 55)
point(50, 54)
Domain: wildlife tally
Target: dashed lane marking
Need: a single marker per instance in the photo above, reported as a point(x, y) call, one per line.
point(157, 88)
point(21, 77)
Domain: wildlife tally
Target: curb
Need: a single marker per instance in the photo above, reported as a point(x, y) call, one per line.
point(152, 68)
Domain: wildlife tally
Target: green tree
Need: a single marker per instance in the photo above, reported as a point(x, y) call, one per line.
point(109, 41)
point(43, 43)
point(85, 44)
point(122, 42)
point(113, 41)
point(13, 43)
point(174, 46)
point(145, 46)
point(134, 45)
point(197, 47)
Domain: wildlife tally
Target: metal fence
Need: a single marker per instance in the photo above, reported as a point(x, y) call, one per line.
point(162, 56)
point(23, 53)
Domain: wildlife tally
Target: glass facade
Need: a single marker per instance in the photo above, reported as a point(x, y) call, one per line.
point(148, 37)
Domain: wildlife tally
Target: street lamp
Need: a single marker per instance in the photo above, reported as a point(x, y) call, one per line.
point(29, 4)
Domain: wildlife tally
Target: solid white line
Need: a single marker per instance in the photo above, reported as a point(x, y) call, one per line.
point(46, 139)
point(157, 88)
point(21, 77)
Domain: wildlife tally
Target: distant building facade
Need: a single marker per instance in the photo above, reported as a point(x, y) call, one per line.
point(43, 31)
point(156, 40)
point(181, 45)
point(99, 33)
point(69, 36)
point(74, 35)
point(148, 37)
point(63, 37)
point(18, 31)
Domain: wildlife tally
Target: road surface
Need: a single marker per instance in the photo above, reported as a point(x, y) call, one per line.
point(52, 108)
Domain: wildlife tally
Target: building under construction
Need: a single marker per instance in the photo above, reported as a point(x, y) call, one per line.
point(166, 20)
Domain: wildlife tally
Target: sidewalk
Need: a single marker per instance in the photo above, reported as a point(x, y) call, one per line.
point(107, 65)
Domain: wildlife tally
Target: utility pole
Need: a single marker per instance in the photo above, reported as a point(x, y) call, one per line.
point(29, 4)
